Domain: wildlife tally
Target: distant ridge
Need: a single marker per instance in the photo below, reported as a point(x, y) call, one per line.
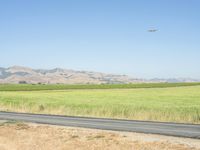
point(19, 74)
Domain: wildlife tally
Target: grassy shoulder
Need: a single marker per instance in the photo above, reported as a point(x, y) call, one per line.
point(175, 104)
point(23, 136)
point(38, 87)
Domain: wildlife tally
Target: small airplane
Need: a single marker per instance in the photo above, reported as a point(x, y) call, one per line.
point(152, 30)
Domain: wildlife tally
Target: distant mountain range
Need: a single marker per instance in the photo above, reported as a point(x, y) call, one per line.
point(18, 74)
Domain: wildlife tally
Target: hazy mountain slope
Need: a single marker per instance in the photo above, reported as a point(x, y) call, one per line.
point(17, 74)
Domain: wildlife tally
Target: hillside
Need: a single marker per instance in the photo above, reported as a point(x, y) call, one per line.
point(18, 74)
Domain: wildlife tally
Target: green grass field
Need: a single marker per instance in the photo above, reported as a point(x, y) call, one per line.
point(37, 87)
point(174, 104)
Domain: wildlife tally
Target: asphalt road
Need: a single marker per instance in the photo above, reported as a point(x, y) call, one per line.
point(171, 129)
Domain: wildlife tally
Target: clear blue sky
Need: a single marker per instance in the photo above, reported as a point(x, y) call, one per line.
point(103, 35)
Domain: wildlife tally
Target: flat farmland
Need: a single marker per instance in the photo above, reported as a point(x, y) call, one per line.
point(172, 104)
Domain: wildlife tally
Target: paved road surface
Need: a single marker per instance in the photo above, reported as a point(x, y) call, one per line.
point(171, 129)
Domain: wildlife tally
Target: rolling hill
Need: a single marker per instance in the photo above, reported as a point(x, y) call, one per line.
point(19, 74)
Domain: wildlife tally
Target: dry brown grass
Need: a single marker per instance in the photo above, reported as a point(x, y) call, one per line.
point(21, 136)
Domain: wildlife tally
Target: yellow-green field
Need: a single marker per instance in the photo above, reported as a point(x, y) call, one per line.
point(174, 104)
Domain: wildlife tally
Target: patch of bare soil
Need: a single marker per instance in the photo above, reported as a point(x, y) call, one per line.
point(20, 136)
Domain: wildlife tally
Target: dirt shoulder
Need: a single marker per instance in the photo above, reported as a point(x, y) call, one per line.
point(20, 136)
